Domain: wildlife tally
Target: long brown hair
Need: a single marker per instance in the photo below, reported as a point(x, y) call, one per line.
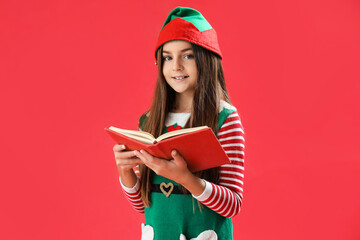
point(209, 90)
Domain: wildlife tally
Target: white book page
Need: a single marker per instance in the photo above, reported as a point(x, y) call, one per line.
point(144, 137)
point(178, 132)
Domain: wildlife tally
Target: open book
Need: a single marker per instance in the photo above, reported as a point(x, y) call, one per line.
point(148, 138)
point(199, 146)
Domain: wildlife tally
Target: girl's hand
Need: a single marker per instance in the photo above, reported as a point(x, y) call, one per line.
point(175, 169)
point(125, 160)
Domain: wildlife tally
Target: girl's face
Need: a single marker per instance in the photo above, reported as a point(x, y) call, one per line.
point(179, 66)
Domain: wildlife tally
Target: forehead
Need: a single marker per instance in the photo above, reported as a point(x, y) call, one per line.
point(176, 46)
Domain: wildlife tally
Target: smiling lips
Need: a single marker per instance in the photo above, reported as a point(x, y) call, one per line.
point(179, 78)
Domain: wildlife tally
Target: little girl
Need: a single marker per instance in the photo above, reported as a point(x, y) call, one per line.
point(190, 91)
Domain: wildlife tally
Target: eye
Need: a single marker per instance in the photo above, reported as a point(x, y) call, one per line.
point(189, 56)
point(166, 58)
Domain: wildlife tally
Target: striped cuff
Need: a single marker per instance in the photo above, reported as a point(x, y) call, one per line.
point(134, 189)
point(206, 193)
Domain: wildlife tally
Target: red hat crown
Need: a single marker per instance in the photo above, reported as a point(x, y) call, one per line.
point(188, 24)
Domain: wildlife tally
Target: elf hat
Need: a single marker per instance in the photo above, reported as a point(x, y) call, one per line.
point(188, 24)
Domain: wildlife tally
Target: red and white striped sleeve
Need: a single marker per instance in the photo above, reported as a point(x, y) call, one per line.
point(134, 194)
point(226, 198)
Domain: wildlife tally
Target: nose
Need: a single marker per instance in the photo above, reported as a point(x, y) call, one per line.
point(177, 64)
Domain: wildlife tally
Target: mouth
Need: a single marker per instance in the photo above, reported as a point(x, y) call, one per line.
point(179, 77)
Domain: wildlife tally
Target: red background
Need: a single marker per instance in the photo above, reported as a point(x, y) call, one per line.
point(70, 68)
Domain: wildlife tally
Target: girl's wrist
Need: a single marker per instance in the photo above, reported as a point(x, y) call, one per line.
point(193, 184)
point(128, 177)
point(130, 189)
point(125, 171)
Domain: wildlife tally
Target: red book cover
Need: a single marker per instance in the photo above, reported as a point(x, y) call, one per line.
point(201, 149)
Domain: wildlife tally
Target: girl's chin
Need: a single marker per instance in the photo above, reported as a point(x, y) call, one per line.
point(178, 91)
point(182, 91)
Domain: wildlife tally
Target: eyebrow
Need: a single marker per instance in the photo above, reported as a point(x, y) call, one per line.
point(184, 50)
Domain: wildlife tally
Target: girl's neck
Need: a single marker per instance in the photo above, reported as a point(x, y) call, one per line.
point(183, 103)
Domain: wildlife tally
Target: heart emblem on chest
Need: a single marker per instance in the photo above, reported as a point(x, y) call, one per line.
point(167, 188)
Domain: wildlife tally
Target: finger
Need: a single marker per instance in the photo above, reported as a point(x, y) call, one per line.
point(126, 154)
point(176, 155)
point(133, 161)
point(147, 158)
point(150, 158)
point(178, 159)
point(140, 155)
point(119, 147)
point(127, 167)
